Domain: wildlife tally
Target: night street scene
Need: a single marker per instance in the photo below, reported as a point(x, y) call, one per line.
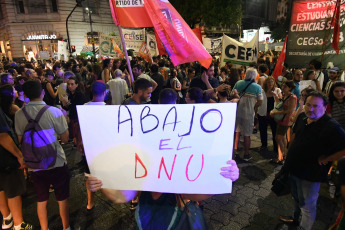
point(178, 115)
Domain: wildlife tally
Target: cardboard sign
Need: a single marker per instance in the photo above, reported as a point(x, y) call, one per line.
point(305, 84)
point(238, 53)
point(162, 148)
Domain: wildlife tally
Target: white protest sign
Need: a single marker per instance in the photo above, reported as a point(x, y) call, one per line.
point(305, 84)
point(238, 53)
point(212, 44)
point(162, 148)
point(134, 38)
point(152, 44)
point(106, 47)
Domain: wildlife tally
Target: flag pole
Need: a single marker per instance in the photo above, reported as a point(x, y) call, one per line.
point(125, 50)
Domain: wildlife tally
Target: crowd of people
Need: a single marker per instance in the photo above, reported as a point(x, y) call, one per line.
point(307, 126)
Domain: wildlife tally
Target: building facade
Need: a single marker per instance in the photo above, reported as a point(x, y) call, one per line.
point(35, 26)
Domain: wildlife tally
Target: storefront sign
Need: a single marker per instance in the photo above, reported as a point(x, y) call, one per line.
point(41, 37)
point(310, 29)
point(162, 148)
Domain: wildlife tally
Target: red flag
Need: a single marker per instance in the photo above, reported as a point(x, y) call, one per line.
point(336, 25)
point(197, 32)
point(145, 53)
point(130, 13)
point(160, 46)
point(280, 63)
point(117, 49)
point(178, 39)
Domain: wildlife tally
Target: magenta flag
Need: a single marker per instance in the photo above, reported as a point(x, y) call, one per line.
point(177, 37)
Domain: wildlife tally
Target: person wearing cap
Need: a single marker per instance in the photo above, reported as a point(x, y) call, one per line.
point(334, 75)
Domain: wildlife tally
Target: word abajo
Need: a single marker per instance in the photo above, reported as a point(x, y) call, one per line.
point(145, 113)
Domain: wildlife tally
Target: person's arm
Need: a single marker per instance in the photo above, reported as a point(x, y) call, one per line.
point(257, 105)
point(174, 86)
point(106, 75)
point(184, 84)
point(51, 91)
point(298, 111)
point(64, 137)
point(204, 78)
point(323, 160)
point(318, 85)
point(116, 196)
point(154, 85)
point(7, 143)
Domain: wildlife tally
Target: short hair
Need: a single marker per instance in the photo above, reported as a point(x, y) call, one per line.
point(32, 89)
point(198, 95)
point(251, 74)
point(118, 72)
point(4, 77)
point(223, 69)
point(138, 66)
point(263, 68)
point(141, 84)
point(98, 88)
point(319, 95)
point(29, 71)
point(49, 73)
point(167, 96)
point(69, 74)
point(56, 66)
point(290, 84)
point(154, 68)
point(191, 70)
point(317, 64)
point(203, 69)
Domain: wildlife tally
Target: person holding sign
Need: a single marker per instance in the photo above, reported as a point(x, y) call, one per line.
point(162, 210)
point(314, 82)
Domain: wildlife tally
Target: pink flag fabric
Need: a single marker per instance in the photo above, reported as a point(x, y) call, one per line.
point(177, 37)
point(280, 63)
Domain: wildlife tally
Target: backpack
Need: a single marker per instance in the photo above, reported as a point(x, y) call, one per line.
point(36, 147)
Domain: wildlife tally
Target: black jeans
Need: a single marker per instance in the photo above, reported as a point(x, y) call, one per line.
point(264, 121)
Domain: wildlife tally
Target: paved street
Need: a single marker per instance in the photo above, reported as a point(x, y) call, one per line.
point(251, 206)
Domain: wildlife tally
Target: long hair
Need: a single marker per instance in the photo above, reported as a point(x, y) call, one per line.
point(78, 89)
point(331, 97)
point(265, 86)
point(106, 63)
point(6, 98)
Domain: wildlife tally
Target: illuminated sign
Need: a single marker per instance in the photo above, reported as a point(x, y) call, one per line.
point(41, 37)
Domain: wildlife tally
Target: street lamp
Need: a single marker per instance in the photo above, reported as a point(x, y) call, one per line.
point(68, 40)
point(89, 12)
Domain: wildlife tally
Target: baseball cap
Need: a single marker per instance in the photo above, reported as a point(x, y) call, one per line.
point(334, 70)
